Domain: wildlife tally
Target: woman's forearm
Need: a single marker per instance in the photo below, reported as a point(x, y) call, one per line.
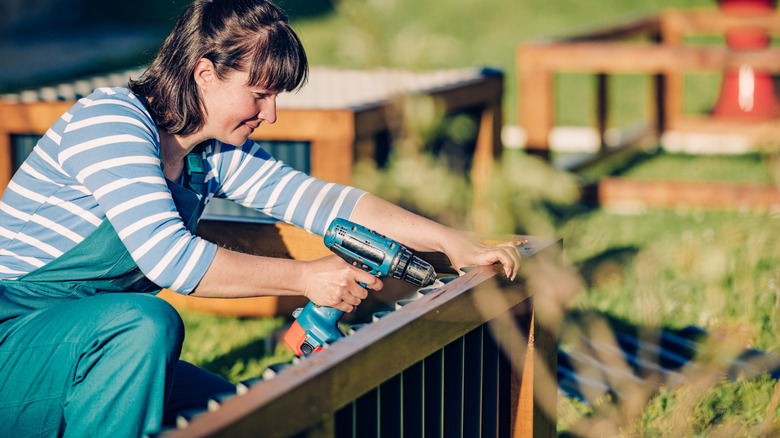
point(233, 275)
point(327, 281)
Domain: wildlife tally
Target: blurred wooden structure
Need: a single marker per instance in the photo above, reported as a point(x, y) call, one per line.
point(469, 357)
point(342, 115)
point(652, 45)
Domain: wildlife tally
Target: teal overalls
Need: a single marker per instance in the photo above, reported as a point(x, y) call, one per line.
point(87, 350)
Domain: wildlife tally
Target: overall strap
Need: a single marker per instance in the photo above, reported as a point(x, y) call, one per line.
point(194, 175)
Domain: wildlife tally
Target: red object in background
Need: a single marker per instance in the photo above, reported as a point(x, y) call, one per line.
point(746, 93)
point(752, 7)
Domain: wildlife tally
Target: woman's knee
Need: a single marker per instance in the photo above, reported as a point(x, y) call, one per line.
point(156, 318)
point(147, 321)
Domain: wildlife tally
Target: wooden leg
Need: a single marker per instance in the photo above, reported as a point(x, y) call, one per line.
point(536, 103)
point(5, 163)
point(487, 152)
point(332, 160)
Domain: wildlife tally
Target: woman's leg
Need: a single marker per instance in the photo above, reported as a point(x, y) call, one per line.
point(98, 366)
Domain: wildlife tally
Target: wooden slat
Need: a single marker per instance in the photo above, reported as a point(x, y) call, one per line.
point(622, 57)
point(30, 118)
point(714, 22)
point(638, 27)
point(308, 124)
point(632, 194)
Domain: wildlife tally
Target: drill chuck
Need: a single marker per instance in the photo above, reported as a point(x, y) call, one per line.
point(412, 269)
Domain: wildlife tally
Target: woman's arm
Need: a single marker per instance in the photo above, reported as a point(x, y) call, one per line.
point(328, 281)
point(421, 234)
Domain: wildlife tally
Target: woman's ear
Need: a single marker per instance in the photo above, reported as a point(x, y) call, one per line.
point(204, 73)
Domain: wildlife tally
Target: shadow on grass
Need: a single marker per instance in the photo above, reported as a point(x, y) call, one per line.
point(608, 266)
point(254, 350)
point(634, 161)
point(606, 355)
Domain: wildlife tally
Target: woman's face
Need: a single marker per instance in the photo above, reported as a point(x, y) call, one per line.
point(234, 109)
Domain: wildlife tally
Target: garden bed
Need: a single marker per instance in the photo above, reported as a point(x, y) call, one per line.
point(665, 180)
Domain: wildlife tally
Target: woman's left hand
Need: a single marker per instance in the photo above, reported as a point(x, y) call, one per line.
point(468, 252)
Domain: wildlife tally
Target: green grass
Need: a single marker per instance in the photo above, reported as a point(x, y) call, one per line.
point(675, 269)
point(739, 168)
point(234, 348)
point(670, 269)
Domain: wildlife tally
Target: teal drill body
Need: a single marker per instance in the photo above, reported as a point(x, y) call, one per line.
point(315, 325)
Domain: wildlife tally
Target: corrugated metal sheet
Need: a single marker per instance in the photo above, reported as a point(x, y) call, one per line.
point(327, 88)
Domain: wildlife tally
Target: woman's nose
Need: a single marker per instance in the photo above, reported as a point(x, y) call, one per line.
point(268, 110)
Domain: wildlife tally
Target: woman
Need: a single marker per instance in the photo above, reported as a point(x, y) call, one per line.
point(107, 203)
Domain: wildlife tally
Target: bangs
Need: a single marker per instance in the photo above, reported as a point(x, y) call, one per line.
point(279, 61)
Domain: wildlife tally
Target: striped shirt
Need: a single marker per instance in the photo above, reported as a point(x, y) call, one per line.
point(101, 160)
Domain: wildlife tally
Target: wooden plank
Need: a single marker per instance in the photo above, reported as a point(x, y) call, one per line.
point(477, 93)
point(622, 57)
point(671, 102)
point(30, 118)
point(317, 386)
point(308, 124)
point(633, 194)
point(332, 160)
point(754, 129)
point(638, 27)
point(24, 118)
point(714, 21)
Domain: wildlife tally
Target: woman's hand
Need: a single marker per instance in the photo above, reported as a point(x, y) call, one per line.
point(466, 252)
point(332, 282)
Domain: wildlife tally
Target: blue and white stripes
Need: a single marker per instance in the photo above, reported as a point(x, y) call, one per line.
point(276, 189)
point(101, 160)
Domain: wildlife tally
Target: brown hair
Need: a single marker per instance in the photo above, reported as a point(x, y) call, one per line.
point(251, 36)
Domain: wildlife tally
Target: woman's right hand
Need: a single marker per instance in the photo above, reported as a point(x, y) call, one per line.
point(332, 282)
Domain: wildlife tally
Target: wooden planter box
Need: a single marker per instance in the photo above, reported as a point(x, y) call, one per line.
point(653, 45)
point(340, 114)
point(630, 194)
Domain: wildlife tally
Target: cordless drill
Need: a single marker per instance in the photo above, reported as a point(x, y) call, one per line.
point(314, 325)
